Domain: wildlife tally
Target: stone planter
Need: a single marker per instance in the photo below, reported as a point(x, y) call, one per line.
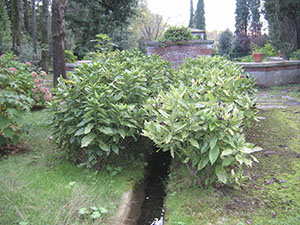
point(276, 73)
point(258, 56)
point(177, 52)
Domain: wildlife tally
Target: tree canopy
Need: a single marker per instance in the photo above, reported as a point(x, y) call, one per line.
point(284, 24)
point(87, 18)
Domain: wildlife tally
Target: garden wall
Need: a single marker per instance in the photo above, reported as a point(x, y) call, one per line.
point(70, 67)
point(274, 73)
point(178, 51)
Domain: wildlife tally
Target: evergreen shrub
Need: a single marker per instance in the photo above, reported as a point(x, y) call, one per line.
point(197, 113)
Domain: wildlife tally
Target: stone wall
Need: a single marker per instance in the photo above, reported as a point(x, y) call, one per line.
point(70, 67)
point(178, 51)
point(270, 74)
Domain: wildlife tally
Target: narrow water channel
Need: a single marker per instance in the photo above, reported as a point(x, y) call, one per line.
point(152, 210)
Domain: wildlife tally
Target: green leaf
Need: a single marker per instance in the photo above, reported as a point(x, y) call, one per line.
point(213, 141)
point(203, 162)
point(213, 154)
point(96, 215)
point(122, 132)
point(106, 130)
point(221, 174)
point(163, 113)
point(103, 210)
point(204, 147)
point(115, 148)
point(4, 122)
point(86, 140)
point(227, 152)
point(228, 161)
point(83, 211)
point(88, 128)
point(80, 132)
point(104, 147)
point(194, 142)
point(186, 160)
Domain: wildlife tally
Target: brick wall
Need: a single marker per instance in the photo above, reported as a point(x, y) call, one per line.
point(177, 52)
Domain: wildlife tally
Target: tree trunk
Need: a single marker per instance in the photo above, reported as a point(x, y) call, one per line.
point(45, 37)
point(26, 18)
point(34, 27)
point(58, 39)
point(16, 25)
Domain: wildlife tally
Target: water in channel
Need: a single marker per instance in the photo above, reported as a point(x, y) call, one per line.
point(152, 210)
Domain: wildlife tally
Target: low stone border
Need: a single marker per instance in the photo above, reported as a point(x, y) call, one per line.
point(275, 73)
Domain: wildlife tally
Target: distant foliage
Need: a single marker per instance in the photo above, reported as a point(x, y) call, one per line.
point(225, 42)
point(177, 34)
point(70, 57)
point(20, 89)
point(5, 33)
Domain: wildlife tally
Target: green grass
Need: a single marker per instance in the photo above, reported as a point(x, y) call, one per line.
point(39, 186)
point(262, 200)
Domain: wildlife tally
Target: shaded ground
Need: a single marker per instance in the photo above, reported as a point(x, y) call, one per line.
point(272, 194)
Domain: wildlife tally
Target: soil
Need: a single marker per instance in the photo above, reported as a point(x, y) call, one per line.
point(10, 149)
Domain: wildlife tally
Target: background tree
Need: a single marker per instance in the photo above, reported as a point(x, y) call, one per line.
point(58, 39)
point(200, 16)
point(45, 36)
point(33, 27)
point(5, 31)
point(16, 25)
point(225, 42)
point(87, 18)
point(191, 22)
point(242, 16)
point(284, 24)
point(255, 26)
point(26, 17)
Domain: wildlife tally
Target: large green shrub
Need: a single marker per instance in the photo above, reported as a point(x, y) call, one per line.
point(175, 34)
point(197, 112)
point(202, 120)
point(99, 108)
point(20, 90)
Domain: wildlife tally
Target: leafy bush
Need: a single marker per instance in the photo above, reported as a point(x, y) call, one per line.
point(296, 55)
point(99, 108)
point(202, 120)
point(177, 34)
point(197, 112)
point(70, 57)
point(19, 91)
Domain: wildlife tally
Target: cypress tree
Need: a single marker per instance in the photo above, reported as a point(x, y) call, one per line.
point(254, 6)
point(242, 16)
point(191, 23)
point(200, 16)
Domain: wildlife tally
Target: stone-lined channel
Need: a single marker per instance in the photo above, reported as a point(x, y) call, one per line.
point(152, 209)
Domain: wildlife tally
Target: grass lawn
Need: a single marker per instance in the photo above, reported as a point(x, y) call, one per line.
point(270, 196)
point(38, 186)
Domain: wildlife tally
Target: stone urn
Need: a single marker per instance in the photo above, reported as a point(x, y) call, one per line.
point(258, 56)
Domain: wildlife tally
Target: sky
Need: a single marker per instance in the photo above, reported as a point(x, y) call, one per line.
point(219, 14)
